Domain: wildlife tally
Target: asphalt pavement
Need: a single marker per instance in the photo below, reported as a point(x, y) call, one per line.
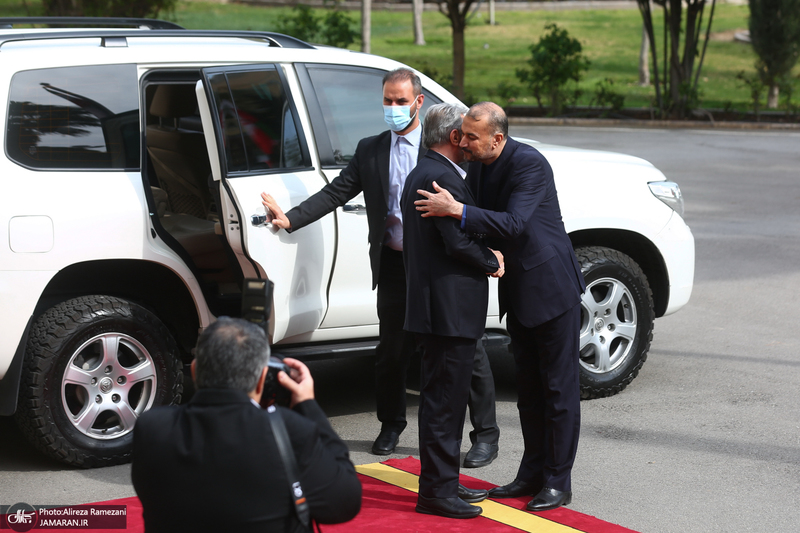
point(706, 438)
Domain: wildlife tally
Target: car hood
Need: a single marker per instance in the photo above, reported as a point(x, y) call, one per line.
point(569, 157)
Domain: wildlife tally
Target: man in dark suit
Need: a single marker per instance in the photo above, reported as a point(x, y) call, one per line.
point(379, 169)
point(446, 305)
point(519, 214)
point(213, 464)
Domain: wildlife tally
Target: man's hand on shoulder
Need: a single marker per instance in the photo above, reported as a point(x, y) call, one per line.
point(302, 386)
point(438, 204)
point(274, 212)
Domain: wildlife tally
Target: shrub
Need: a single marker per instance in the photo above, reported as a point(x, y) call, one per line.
point(606, 96)
point(787, 90)
point(333, 29)
point(302, 23)
point(756, 86)
point(557, 60)
point(507, 92)
point(337, 29)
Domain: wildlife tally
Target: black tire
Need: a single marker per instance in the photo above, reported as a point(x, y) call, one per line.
point(92, 365)
point(617, 319)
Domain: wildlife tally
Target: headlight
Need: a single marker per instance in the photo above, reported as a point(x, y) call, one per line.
point(668, 192)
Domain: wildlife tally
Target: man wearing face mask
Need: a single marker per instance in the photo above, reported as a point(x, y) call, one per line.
point(379, 169)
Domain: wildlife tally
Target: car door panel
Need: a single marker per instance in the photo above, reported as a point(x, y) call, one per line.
point(244, 120)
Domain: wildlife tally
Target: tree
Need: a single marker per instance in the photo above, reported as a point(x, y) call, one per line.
point(457, 12)
point(366, 25)
point(418, 7)
point(555, 60)
point(644, 56)
point(677, 92)
point(775, 34)
point(106, 8)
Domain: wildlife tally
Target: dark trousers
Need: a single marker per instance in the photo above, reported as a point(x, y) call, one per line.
point(396, 345)
point(482, 412)
point(445, 381)
point(548, 384)
point(396, 349)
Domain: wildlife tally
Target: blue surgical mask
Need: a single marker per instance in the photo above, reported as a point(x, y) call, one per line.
point(398, 117)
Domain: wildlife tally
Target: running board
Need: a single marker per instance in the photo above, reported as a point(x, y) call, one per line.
point(315, 352)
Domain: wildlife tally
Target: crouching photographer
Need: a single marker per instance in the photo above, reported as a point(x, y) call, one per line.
point(222, 463)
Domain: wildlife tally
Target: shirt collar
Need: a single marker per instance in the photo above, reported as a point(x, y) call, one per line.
point(413, 137)
point(461, 171)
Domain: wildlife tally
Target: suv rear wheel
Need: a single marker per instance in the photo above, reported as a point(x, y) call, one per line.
point(616, 321)
point(93, 365)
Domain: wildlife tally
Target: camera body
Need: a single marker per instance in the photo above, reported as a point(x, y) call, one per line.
point(256, 308)
point(274, 393)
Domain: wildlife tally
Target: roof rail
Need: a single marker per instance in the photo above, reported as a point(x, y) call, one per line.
point(151, 24)
point(273, 39)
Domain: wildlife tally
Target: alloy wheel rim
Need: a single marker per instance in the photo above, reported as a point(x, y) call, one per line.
point(608, 325)
point(107, 384)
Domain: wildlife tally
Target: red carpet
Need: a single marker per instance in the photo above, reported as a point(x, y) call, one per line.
point(386, 507)
point(388, 504)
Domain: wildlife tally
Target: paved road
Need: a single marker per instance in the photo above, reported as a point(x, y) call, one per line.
point(706, 439)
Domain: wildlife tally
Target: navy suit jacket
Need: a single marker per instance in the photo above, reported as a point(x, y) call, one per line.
point(519, 214)
point(368, 171)
point(446, 286)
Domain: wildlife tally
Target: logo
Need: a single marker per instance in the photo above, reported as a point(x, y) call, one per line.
point(24, 517)
point(21, 517)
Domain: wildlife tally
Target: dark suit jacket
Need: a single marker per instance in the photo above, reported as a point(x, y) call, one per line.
point(368, 171)
point(213, 465)
point(447, 289)
point(519, 214)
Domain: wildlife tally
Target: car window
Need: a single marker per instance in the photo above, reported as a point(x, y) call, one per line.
point(75, 118)
point(352, 105)
point(258, 123)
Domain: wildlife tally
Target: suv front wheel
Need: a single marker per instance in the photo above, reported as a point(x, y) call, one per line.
point(93, 365)
point(616, 321)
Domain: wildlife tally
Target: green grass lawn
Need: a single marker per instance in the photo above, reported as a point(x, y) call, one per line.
point(610, 38)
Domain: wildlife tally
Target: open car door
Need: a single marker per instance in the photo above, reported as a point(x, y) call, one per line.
point(256, 143)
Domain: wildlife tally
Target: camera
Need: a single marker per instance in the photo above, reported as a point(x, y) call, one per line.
point(274, 393)
point(256, 308)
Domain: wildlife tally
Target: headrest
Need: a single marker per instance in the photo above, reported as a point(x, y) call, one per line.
point(174, 101)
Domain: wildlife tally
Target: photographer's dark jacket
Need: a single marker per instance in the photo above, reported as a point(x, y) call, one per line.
point(213, 465)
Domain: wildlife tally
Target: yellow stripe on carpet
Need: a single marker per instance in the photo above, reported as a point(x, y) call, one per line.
point(492, 510)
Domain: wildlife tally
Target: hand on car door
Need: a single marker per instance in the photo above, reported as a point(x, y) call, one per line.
point(275, 214)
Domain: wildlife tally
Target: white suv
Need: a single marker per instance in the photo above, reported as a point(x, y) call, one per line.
point(131, 214)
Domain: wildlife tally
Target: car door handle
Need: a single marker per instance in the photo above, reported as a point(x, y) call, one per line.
point(260, 220)
point(354, 208)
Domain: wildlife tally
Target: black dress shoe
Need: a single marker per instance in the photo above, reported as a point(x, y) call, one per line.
point(515, 489)
point(481, 454)
point(447, 507)
point(471, 495)
point(386, 442)
point(548, 499)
